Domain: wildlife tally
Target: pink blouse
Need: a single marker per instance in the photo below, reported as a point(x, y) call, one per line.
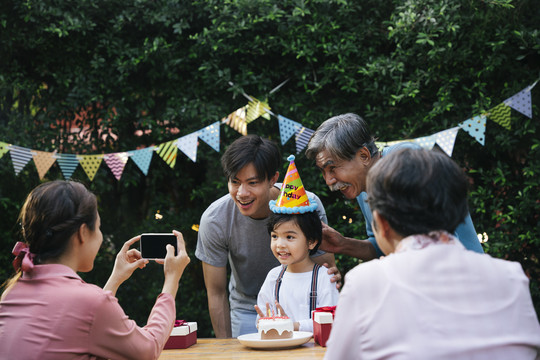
point(51, 313)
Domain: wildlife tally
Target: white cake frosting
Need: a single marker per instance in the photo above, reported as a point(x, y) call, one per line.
point(280, 324)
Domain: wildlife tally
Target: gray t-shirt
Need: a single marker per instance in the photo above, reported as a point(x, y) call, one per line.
point(225, 235)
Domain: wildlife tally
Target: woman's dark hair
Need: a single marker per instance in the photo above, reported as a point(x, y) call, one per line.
point(309, 223)
point(52, 213)
point(262, 153)
point(418, 191)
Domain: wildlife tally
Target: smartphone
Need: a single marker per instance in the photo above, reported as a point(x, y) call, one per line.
point(154, 246)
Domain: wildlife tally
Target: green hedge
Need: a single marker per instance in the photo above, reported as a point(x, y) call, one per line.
point(410, 68)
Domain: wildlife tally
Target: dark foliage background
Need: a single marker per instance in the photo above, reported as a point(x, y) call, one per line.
point(410, 68)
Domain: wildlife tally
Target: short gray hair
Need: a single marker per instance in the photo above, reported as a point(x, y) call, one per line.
point(342, 136)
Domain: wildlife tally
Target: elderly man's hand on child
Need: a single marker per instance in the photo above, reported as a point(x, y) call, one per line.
point(337, 275)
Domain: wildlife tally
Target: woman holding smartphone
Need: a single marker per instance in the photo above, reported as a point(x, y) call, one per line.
point(48, 312)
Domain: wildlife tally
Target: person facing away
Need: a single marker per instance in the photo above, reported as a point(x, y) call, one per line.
point(296, 287)
point(233, 231)
point(48, 312)
point(345, 151)
point(430, 298)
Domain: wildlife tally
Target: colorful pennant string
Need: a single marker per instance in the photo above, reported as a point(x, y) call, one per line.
point(168, 151)
point(90, 164)
point(476, 127)
point(501, 115)
point(43, 161)
point(116, 162)
point(446, 139)
point(4, 148)
point(188, 145)
point(521, 102)
point(426, 142)
point(20, 156)
point(142, 158)
point(68, 163)
point(238, 120)
point(287, 128)
point(210, 135)
point(302, 138)
point(255, 109)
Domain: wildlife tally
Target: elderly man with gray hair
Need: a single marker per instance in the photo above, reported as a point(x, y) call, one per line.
point(344, 149)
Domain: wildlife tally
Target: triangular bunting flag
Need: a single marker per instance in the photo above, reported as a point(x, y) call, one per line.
point(287, 128)
point(302, 138)
point(68, 163)
point(392, 143)
point(380, 145)
point(476, 127)
point(521, 102)
point(210, 135)
point(168, 151)
point(188, 145)
point(20, 156)
point(4, 148)
point(116, 163)
point(501, 115)
point(446, 139)
point(90, 164)
point(43, 161)
point(237, 120)
point(426, 142)
point(142, 158)
point(255, 109)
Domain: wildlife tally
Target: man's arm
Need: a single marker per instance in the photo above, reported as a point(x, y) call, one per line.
point(334, 242)
point(215, 279)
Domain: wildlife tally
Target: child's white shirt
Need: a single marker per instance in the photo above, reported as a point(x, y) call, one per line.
point(294, 294)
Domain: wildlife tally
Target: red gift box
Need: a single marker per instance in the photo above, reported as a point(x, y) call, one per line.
point(183, 335)
point(323, 318)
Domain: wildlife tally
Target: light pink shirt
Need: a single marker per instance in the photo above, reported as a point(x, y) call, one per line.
point(51, 313)
point(435, 302)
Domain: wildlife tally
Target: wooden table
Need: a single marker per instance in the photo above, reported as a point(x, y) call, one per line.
point(232, 349)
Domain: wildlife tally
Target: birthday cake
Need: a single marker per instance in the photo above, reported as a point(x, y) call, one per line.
point(278, 327)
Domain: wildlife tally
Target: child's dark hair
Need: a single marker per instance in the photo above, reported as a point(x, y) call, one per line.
point(309, 223)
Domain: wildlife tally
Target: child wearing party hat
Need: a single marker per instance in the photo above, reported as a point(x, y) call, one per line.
point(296, 287)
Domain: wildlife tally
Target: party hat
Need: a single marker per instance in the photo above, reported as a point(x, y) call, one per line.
point(293, 198)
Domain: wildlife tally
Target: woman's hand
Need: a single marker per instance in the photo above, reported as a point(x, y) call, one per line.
point(127, 261)
point(174, 265)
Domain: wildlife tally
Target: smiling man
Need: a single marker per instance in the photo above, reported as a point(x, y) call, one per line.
point(344, 150)
point(233, 230)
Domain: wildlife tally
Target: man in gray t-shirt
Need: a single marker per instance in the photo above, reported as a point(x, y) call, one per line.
point(233, 230)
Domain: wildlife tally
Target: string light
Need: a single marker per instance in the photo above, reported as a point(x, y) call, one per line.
point(345, 218)
point(483, 238)
point(158, 216)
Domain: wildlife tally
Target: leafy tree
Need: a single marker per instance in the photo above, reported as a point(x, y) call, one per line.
point(168, 68)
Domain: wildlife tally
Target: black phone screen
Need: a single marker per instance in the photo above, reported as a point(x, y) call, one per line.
point(154, 246)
